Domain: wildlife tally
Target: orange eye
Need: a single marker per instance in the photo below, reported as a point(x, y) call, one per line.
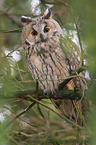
point(34, 33)
point(46, 29)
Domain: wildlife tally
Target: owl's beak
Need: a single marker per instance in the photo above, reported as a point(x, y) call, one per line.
point(42, 39)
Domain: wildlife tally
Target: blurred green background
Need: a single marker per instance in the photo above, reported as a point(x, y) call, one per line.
point(30, 128)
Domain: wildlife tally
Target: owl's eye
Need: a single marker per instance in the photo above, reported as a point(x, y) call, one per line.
point(46, 29)
point(34, 33)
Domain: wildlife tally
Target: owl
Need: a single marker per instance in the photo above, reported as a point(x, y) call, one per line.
point(51, 57)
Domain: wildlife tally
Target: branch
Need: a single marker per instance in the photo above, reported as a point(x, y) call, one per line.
point(62, 94)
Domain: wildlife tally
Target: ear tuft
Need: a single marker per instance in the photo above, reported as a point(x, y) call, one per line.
point(25, 20)
point(47, 14)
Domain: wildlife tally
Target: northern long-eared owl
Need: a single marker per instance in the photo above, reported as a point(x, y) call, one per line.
point(51, 57)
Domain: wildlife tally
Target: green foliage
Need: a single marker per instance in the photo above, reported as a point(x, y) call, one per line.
point(20, 120)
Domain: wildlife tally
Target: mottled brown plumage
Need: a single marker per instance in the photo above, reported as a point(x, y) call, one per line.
point(48, 57)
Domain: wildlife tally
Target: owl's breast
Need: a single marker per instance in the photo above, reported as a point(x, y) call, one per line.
point(35, 60)
point(46, 63)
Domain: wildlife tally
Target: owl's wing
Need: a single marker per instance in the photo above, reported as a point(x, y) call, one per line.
point(73, 58)
point(71, 51)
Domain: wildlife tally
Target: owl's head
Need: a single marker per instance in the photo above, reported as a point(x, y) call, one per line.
point(40, 29)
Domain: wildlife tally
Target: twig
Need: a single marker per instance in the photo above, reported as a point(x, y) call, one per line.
point(11, 31)
point(82, 51)
point(37, 97)
point(12, 51)
point(21, 113)
point(84, 123)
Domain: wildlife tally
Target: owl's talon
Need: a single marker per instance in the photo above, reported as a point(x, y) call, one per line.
point(46, 91)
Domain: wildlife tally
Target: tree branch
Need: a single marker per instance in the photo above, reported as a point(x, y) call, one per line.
point(62, 94)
